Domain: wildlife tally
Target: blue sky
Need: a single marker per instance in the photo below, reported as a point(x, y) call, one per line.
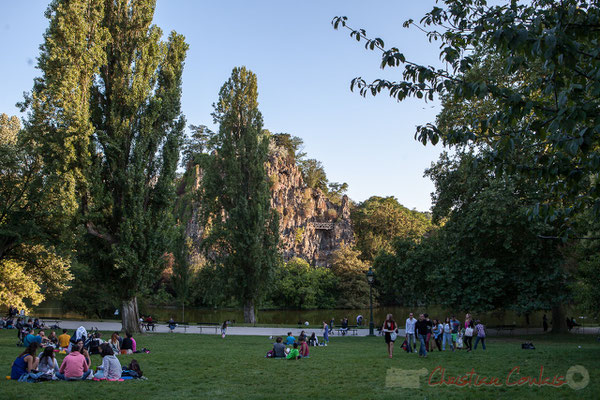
point(304, 69)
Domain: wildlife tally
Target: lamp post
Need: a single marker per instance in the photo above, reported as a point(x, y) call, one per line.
point(370, 278)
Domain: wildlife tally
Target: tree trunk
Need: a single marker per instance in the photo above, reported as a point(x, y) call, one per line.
point(559, 319)
point(130, 316)
point(249, 315)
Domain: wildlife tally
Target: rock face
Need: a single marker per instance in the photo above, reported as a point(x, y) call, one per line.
point(310, 225)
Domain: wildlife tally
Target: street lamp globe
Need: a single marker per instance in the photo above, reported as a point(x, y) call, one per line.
point(370, 276)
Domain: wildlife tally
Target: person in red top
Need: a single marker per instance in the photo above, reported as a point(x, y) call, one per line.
point(75, 365)
point(304, 352)
point(389, 328)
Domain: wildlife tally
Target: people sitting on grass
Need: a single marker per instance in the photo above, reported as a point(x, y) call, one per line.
point(53, 339)
point(278, 348)
point(76, 364)
point(313, 341)
point(95, 343)
point(79, 334)
point(48, 365)
point(25, 363)
point(129, 345)
point(304, 352)
point(302, 336)
point(9, 323)
point(63, 340)
point(290, 340)
point(31, 338)
point(114, 343)
point(110, 369)
point(294, 353)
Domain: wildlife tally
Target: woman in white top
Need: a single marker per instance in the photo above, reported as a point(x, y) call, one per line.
point(447, 334)
point(48, 364)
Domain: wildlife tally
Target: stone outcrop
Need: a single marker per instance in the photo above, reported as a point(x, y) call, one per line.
point(311, 226)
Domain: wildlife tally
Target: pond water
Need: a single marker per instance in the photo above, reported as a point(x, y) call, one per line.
point(315, 317)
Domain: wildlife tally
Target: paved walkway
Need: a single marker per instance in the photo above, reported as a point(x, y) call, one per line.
point(277, 331)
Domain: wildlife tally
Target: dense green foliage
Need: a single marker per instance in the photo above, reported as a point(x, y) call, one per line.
point(352, 289)
point(487, 256)
point(379, 220)
point(554, 48)
point(34, 258)
point(106, 114)
point(244, 231)
point(349, 368)
point(298, 285)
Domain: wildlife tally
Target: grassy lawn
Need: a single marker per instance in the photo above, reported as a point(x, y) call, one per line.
point(203, 366)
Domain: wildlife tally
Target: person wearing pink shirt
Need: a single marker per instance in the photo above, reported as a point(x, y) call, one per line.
point(75, 365)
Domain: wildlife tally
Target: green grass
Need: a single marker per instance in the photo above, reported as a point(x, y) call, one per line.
point(206, 366)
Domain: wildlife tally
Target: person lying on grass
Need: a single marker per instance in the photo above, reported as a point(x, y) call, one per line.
point(25, 363)
point(294, 354)
point(110, 369)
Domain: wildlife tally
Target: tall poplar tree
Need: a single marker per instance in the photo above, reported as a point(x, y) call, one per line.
point(243, 233)
point(107, 110)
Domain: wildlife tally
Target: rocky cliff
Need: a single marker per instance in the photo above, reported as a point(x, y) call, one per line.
point(310, 225)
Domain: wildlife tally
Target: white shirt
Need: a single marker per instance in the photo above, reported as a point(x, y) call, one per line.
point(410, 325)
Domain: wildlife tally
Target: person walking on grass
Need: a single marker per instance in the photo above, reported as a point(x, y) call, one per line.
point(410, 333)
point(326, 330)
point(455, 325)
point(389, 329)
point(480, 329)
point(447, 335)
point(224, 328)
point(469, 336)
point(437, 332)
point(421, 329)
point(428, 344)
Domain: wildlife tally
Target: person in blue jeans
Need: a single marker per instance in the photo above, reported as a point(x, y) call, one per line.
point(447, 335)
point(480, 329)
point(421, 332)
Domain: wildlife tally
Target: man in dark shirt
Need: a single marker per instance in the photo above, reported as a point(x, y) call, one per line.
point(421, 332)
point(429, 330)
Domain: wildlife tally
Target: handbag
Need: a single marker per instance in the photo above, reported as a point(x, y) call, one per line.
point(393, 336)
point(469, 332)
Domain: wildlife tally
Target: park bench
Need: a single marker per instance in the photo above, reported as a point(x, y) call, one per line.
point(209, 325)
point(502, 328)
point(183, 325)
point(50, 322)
point(148, 325)
point(351, 328)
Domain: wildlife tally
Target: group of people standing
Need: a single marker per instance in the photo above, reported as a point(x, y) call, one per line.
point(433, 332)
